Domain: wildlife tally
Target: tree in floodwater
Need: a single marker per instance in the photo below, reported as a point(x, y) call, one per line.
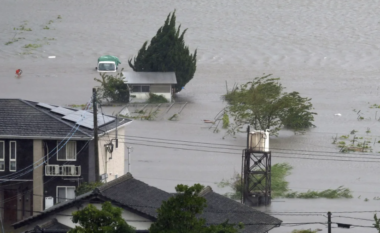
point(112, 88)
point(377, 223)
point(263, 104)
point(167, 52)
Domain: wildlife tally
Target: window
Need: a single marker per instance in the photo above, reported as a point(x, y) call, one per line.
point(67, 152)
point(2, 156)
point(140, 88)
point(12, 156)
point(65, 193)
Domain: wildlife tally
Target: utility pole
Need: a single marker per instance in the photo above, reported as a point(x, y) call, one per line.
point(329, 222)
point(96, 148)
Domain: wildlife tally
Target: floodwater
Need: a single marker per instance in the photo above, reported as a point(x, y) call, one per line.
point(327, 50)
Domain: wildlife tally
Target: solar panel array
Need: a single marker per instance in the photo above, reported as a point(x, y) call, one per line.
point(80, 117)
point(48, 106)
point(62, 111)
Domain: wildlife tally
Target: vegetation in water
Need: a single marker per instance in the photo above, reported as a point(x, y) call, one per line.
point(112, 88)
point(353, 143)
point(264, 104)
point(377, 223)
point(167, 52)
point(32, 46)
point(340, 192)
point(305, 231)
point(226, 121)
point(23, 27)
point(155, 99)
point(280, 187)
point(14, 40)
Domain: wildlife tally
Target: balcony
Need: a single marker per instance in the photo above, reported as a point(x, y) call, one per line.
point(62, 170)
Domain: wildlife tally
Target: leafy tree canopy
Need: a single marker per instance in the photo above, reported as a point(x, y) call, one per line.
point(112, 88)
point(167, 52)
point(92, 220)
point(264, 105)
point(180, 214)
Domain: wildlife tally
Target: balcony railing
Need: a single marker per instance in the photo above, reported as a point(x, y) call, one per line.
point(62, 170)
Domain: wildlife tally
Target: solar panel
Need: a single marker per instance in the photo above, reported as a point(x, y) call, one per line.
point(62, 111)
point(86, 119)
point(48, 106)
point(77, 116)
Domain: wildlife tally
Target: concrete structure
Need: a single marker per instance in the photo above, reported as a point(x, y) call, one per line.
point(143, 83)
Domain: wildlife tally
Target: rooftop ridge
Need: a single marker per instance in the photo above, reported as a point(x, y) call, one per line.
point(114, 182)
point(205, 191)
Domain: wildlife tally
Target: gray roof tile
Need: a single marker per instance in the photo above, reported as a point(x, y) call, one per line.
point(25, 119)
point(145, 199)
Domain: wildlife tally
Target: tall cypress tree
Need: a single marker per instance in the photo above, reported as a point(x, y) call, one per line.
point(167, 52)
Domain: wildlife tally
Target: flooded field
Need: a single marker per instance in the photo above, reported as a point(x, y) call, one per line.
point(326, 50)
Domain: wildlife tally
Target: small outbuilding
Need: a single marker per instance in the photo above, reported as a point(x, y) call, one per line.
point(143, 83)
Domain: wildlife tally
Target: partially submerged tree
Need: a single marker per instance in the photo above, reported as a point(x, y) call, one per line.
point(108, 219)
point(180, 214)
point(377, 223)
point(167, 52)
point(263, 104)
point(112, 88)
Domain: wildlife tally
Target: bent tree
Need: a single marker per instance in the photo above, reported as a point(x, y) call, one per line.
point(167, 52)
point(264, 105)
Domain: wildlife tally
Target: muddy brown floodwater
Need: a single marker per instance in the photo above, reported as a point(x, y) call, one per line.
point(327, 50)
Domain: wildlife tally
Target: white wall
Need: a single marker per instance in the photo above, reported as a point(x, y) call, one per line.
point(113, 167)
point(65, 218)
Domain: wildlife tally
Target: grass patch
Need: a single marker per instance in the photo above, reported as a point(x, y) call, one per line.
point(59, 17)
point(46, 28)
point(226, 121)
point(14, 40)
point(340, 192)
point(305, 231)
point(156, 99)
point(23, 27)
point(32, 46)
point(280, 187)
point(279, 184)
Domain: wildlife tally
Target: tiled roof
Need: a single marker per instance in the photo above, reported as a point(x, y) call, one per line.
point(220, 208)
point(25, 119)
point(142, 198)
point(150, 77)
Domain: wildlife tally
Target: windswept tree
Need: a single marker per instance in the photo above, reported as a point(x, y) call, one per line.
point(167, 52)
point(263, 104)
point(112, 88)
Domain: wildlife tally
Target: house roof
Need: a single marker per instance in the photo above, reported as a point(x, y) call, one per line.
point(150, 77)
point(144, 199)
point(32, 120)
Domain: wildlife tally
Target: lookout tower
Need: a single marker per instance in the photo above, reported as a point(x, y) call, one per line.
point(256, 169)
